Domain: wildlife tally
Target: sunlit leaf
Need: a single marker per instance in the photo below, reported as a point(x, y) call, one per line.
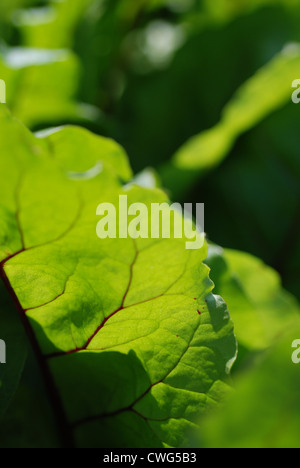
point(260, 308)
point(52, 26)
point(265, 410)
point(131, 325)
point(268, 90)
point(42, 84)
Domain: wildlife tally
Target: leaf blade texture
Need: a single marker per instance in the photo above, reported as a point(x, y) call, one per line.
point(130, 337)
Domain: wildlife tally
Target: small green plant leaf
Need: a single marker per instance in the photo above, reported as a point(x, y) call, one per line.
point(42, 84)
point(270, 418)
point(132, 342)
point(260, 308)
point(52, 26)
point(268, 90)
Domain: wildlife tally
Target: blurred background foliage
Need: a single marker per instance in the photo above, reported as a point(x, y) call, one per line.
point(200, 91)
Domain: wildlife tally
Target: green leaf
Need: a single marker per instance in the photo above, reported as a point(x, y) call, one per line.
point(260, 308)
point(268, 90)
point(128, 332)
point(265, 409)
point(42, 85)
point(52, 26)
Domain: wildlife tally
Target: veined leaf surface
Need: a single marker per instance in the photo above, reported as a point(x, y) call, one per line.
point(132, 343)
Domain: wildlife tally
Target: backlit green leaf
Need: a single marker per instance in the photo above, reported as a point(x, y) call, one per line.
point(260, 308)
point(52, 26)
point(268, 90)
point(41, 85)
point(128, 332)
point(265, 410)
